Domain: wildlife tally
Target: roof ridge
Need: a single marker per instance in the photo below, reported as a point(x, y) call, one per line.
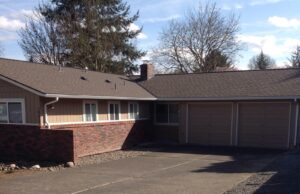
point(63, 67)
point(238, 71)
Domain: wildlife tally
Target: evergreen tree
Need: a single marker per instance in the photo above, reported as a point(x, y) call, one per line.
point(96, 33)
point(261, 62)
point(295, 58)
point(216, 60)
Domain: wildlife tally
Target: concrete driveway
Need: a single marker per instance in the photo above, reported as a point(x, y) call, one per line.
point(171, 170)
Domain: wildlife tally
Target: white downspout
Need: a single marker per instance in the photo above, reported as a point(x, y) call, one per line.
point(296, 123)
point(45, 111)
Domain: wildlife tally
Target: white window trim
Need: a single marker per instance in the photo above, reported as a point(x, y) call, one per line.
point(138, 110)
point(168, 123)
point(17, 100)
point(90, 102)
point(108, 111)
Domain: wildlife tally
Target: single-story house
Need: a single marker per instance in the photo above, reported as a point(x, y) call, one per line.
point(47, 112)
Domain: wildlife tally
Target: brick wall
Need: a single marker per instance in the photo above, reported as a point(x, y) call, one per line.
point(147, 71)
point(68, 143)
point(32, 143)
point(97, 138)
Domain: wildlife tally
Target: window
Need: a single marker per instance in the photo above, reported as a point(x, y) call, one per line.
point(133, 111)
point(114, 111)
point(167, 113)
point(90, 111)
point(162, 113)
point(3, 113)
point(11, 111)
point(173, 113)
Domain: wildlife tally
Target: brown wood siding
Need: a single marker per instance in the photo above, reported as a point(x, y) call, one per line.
point(66, 111)
point(8, 90)
point(102, 110)
point(71, 110)
point(210, 124)
point(264, 125)
point(124, 110)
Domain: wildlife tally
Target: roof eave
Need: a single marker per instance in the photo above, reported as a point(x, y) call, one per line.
point(39, 93)
point(99, 97)
point(229, 98)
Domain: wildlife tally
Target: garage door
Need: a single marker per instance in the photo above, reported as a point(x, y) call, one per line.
point(263, 125)
point(210, 124)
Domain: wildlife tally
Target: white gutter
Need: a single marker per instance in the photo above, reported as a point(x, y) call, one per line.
point(296, 123)
point(97, 97)
point(230, 98)
point(45, 112)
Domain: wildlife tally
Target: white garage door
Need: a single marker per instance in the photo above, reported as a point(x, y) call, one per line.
point(264, 125)
point(210, 124)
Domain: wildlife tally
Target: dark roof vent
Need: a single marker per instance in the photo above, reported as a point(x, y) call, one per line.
point(83, 78)
point(107, 81)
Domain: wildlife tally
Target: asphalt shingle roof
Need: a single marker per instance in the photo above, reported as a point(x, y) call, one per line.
point(47, 79)
point(237, 84)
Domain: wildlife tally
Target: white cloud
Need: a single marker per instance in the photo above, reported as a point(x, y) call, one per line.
point(283, 22)
point(235, 6)
point(142, 36)
point(270, 44)
point(161, 19)
point(7, 37)
point(10, 24)
point(262, 2)
point(226, 7)
point(27, 12)
point(24, 14)
point(134, 27)
point(238, 6)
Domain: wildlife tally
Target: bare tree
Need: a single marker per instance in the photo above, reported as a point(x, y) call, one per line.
point(187, 45)
point(41, 42)
point(261, 62)
point(295, 58)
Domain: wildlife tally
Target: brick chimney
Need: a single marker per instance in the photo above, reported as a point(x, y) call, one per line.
point(147, 71)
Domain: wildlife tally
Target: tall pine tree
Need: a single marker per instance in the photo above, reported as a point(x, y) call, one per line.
point(295, 58)
point(261, 62)
point(96, 34)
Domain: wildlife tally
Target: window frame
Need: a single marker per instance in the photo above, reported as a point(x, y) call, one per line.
point(138, 110)
point(167, 123)
point(14, 100)
point(84, 111)
point(108, 110)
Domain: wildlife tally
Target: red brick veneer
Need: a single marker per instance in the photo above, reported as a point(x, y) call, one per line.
point(97, 138)
point(32, 143)
point(68, 143)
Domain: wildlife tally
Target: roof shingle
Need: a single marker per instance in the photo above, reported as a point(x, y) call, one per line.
point(242, 84)
point(47, 79)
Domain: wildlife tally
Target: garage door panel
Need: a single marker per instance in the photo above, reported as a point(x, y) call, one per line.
point(210, 124)
point(263, 125)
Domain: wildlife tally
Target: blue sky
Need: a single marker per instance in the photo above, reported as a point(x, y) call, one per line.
point(271, 25)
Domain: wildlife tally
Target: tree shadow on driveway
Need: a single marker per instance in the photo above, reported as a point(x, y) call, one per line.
point(227, 159)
